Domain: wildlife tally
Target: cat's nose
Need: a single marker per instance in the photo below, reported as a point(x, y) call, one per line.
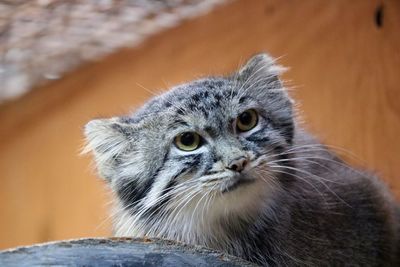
point(238, 164)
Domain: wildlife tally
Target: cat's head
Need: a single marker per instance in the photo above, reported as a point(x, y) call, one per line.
point(200, 150)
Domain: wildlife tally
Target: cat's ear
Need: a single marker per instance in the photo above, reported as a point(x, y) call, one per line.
point(260, 69)
point(108, 138)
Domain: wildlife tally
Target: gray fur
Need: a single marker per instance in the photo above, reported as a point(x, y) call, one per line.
point(297, 203)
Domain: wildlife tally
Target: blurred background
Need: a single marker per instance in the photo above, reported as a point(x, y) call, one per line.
point(63, 63)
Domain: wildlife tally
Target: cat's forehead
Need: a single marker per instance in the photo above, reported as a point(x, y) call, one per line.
point(202, 98)
point(212, 92)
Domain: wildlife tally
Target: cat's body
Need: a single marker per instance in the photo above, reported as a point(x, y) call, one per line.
point(221, 162)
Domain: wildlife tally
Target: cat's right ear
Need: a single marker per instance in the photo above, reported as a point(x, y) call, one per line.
point(259, 68)
point(106, 139)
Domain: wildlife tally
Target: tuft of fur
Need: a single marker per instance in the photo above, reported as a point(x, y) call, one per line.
point(295, 203)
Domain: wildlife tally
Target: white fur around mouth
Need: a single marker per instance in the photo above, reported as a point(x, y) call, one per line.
point(236, 183)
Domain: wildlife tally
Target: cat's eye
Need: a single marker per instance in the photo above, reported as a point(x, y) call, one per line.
point(247, 120)
point(187, 141)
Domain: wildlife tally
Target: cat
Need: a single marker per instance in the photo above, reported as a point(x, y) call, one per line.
point(222, 162)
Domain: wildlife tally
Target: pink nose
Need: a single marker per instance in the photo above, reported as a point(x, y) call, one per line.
point(238, 164)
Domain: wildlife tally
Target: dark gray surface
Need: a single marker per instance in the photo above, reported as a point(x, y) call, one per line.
point(116, 252)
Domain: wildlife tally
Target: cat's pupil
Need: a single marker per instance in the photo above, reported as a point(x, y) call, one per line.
point(187, 139)
point(245, 118)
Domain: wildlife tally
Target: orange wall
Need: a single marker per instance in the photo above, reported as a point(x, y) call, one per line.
point(344, 68)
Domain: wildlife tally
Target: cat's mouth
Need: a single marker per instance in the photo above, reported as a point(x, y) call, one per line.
point(236, 183)
point(227, 181)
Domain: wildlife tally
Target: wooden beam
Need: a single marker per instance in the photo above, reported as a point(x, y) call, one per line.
point(117, 252)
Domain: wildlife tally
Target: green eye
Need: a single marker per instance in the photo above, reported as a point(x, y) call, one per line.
point(187, 141)
point(247, 120)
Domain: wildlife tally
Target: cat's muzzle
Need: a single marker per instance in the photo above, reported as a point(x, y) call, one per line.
point(236, 182)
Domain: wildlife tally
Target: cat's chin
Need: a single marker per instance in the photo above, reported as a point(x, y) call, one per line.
point(245, 195)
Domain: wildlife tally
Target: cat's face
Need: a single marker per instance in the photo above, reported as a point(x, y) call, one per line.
point(201, 148)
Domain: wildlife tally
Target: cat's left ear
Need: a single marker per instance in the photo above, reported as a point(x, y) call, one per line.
point(261, 69)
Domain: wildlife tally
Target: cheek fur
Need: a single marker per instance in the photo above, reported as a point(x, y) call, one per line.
point(157, 189)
